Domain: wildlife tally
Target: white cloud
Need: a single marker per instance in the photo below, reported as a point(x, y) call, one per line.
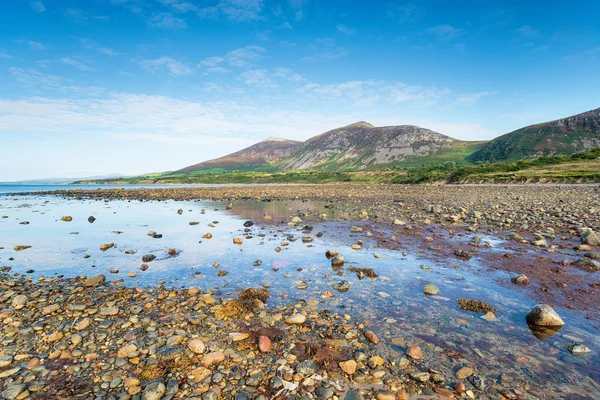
point(107, 51)
point(34, 80)
point(5, 55)
point(241, 57)
point(241, 10)
point(89, 44)
point(445, 31)
point(38, 6)
point(526, 31)
point(471, 98)
point(325, 49)
point(270, 79)
point(36, 45)
point(166, 21)
point(210, 62)
point(175, 67)
point(372, 91)
point(180, 5)
point(298, 6)
point(402, 13)
point(76, 62)
point(345, 30)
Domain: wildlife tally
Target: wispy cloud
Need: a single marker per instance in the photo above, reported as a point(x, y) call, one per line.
point(6, 56)
point(37, 81)
point(89, 44)
point(444, 32)
point(345, 29)
point(76, 62)
point(241, 10)
point(107, 51)
point(270, 79)
point(592, 54)
point(166, 20)
point(471, 98)
point(242, 57)
point(372, 91)
point(175, 68)
point(36, 45)
point(325, 49)
point(402, 13)
point(527, 31)
point(38, 6)
point(181, 6)
point(82, 17)
point(299, 8)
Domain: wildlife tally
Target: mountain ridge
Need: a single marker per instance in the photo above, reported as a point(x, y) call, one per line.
point(564, 136)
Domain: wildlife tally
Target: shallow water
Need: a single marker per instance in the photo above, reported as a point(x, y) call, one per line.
point(497, 350)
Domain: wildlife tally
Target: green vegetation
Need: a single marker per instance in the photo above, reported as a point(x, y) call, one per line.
point(581, 167)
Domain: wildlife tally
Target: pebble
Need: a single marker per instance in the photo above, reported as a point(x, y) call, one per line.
point(463, 373)
point(430, 289)
point(295, 319)
point(154, 391)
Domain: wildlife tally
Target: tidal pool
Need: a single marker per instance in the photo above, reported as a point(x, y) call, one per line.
point(504, 351)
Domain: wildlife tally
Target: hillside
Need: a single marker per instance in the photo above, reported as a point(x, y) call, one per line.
point(564, 136)
point(361, 145)
point(261, 154)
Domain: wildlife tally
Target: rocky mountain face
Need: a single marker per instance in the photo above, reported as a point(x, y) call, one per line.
point(564, 136)
point(263, 153)
point(362, 145)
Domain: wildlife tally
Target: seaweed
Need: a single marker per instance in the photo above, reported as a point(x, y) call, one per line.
point(476, 306)
point(247, 301)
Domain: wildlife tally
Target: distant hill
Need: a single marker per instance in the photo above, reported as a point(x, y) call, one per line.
point(353, 147)
point(564, 136)
point(363, 145)
point(260, 154)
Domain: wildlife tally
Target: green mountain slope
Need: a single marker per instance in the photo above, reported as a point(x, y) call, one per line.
point(564, 136)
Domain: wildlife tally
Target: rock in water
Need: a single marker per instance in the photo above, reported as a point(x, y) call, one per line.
point(520, 280)
point(154, 391)
point(106, 246)
point(248, 224)
point(67, 218)
point(431, 289)
point(148, 258)
point(91, 219)
point(342, 286)
point(544, 315)
point(94, 281)
point(21, 247)
point(590, 237)
point(577, 349)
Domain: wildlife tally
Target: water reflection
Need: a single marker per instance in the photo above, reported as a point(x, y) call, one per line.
point(393, 304)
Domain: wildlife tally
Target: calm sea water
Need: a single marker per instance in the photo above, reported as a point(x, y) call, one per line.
point(393, 304)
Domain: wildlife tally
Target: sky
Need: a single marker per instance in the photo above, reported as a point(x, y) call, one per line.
point(95, 87)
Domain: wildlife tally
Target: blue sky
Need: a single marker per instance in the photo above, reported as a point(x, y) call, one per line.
point(91, 87)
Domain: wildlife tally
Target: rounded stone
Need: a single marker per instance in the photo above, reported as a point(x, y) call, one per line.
point(544, 315)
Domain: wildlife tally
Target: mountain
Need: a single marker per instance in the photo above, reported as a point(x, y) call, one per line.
point(564, 136)
point(362, 145)
point(260, 154)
